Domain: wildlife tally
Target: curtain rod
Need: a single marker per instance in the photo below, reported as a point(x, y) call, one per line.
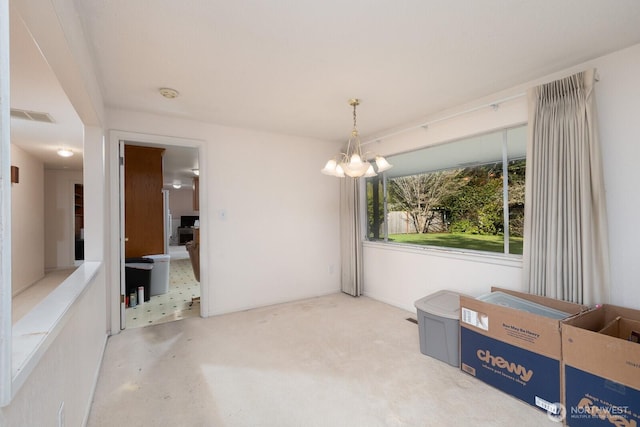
point(493, 104)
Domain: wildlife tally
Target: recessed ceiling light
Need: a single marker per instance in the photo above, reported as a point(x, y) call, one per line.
point(168, 92)
point(65, 152)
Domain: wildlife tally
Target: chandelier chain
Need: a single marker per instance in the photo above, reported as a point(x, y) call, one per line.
point(354, 102)
point(355, 128)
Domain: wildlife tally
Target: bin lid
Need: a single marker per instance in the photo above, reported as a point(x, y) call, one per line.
point(139, 265)
point(138, 260)
point(158, 257)
point(506, 300)
point(442, 303)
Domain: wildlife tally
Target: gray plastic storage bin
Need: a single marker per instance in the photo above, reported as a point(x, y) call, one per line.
point(439, 326)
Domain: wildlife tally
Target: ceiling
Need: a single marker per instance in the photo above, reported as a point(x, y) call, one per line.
point(289, 66)
point(34, 87)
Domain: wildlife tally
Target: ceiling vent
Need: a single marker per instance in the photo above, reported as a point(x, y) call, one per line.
point(34, 116)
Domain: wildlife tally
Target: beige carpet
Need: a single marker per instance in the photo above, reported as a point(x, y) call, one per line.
point(327, 361)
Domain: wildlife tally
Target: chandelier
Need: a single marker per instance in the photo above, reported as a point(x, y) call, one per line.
point(353, 163)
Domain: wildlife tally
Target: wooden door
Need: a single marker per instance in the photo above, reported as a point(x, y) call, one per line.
point(143, 203)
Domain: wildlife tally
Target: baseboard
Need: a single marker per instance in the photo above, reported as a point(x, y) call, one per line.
point(394, 303)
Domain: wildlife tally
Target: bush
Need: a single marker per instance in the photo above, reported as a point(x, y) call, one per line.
point(464, 226)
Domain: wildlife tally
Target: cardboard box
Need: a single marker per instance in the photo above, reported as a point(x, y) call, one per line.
point(518, 352)
point(602, 367)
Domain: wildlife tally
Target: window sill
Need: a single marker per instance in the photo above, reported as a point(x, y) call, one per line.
point(461, 254)
point(33, 334)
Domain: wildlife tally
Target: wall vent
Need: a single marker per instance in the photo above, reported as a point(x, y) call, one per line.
point(34, 116)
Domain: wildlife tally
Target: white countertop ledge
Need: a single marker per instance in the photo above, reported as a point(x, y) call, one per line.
point(33, 334)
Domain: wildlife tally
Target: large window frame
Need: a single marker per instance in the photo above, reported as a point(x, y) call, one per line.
point(501, 148)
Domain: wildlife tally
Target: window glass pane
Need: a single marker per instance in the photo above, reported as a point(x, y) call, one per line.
point(472, 151)
point(516, 148)
point(516, 171)
point(452, 195)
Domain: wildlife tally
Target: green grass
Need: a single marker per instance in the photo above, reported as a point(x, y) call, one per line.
point(461, 241)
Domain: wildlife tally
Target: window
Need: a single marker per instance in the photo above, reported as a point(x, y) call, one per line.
point(466, 194)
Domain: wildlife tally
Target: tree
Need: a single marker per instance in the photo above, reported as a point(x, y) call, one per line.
point(517, 169)
point(419, 195)
point(477, 207)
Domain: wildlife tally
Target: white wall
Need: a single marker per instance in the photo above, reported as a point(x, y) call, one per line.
point(618, 99)
point(401, 277)
point(181, 202)
point(27, 221)
point(59, 250)
point(68, 370)
point(271, 223)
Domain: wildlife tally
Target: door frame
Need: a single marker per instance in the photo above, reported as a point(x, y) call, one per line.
point(115, 257)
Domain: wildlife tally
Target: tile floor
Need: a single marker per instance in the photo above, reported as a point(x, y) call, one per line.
point(176, 304)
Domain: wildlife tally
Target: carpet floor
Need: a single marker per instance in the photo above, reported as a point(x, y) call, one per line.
point(327, 361)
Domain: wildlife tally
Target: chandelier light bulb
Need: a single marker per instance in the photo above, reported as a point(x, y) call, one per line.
point(356, 161)
point(382, 164)
point(330, 168)
point(370, 172)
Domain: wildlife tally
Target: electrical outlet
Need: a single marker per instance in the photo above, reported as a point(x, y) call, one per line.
point(61, 415)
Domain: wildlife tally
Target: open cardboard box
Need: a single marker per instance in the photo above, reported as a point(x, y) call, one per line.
point(516, 351)
point(625, 329)
point(601, 366)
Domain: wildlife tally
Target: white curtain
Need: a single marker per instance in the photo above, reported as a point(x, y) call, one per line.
point(350, 237)
point(566, 254)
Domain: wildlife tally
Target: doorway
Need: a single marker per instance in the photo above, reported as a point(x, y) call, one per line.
point(78, 223)
point(181, 297)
